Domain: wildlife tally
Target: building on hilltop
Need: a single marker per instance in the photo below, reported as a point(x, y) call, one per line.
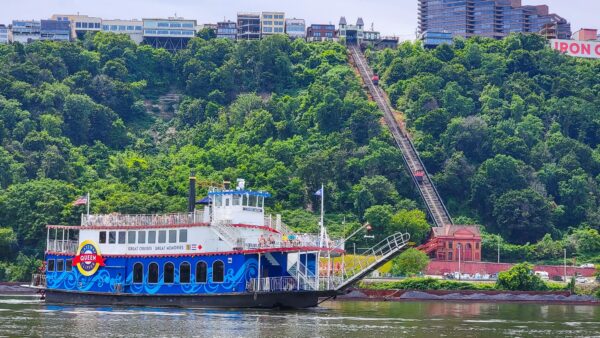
point(272, 23)
point(133, 28)
point(295, 28)
point(352, 34)
point(80, 24)
point(227, 30)
point(55, 30)
point(25, 31)
point(316, 33)
point(248, 25)
point(489, 18)
point(4, 34)
point(171, 34)
point(585, 34)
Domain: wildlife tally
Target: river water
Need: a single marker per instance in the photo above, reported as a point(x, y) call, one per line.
point(26, 316)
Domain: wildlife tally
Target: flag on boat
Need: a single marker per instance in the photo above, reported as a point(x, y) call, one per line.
point(319, 192)
point(81, 200)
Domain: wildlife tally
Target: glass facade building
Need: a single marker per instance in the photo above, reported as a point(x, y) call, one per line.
point(227, 30)
point(489, 18)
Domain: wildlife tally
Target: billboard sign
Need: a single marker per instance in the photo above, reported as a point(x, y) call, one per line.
point(582, 49)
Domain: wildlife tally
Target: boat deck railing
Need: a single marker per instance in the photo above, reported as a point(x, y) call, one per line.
point(288, 283)
point(38, 280)
point(64, 246)
point(294, 241)
point(116, 219)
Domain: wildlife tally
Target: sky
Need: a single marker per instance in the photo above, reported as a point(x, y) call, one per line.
point(390, 17)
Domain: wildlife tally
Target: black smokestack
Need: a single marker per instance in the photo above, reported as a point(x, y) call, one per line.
point(192, 193)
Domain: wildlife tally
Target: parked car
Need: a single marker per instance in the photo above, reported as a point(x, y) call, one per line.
point(558, 278)
point(542, 274)
point(581, 280)
point(587, 265)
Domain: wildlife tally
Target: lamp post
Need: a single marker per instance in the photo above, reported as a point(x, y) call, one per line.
point(565, 264)
point(459, 250)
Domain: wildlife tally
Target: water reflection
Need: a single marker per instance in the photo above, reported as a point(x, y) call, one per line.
point(332, 319)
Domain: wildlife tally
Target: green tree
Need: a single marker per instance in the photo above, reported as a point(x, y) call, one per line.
point(412, 222)
point(410, 263)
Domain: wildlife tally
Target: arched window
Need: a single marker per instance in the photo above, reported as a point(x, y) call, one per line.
point(169, 273)
point(184, 272)
point(218, 272)
point(138, 273)
point(201, 272)
point(153, 273)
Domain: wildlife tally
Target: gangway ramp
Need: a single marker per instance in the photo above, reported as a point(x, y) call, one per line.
point(412, 161)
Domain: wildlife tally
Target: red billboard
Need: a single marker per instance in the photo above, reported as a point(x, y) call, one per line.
point(582, 49)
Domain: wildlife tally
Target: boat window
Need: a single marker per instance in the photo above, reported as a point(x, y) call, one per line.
point(138, 273)
point(162, 236)
point(60, 265)
point(236, 199)
point(184, 273)
point(183, 235)
point(218, 200)
point(102, 237)
point(141, 237)
point(50, 265)
point(172, 236)
point(201, 272)
point(112, 237)
point(151, 237)
point(131, 237)
point(227, 202)
point(218, 272)
point(169, 273)
point(261, 201)
point(121, 237)
point(153, 273)
point(69, 265)
point(252, 201)
point(245, 199)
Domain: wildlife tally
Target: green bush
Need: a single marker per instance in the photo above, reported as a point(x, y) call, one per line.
point(410, 262)
point(426, 284)
point(520, 278)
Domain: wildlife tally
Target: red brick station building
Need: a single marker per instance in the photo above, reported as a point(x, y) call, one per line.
point(454, 242)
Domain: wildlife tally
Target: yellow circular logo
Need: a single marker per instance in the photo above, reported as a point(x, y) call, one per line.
point(88, 258)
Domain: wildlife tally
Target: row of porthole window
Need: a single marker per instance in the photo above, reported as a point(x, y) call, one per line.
point(139, 237)
point(185, 273)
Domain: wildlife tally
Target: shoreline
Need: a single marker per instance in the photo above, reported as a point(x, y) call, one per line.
point(15, 288)
point(469, 296)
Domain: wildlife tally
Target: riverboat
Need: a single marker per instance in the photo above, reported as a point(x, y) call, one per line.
point(227, 254)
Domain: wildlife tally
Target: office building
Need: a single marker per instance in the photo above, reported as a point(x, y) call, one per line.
point(133, 28)
point(352, 34)
point(25, 31)
point(272, 23)
point(171, 34)
point(227, 30)
point(434, 39)
point(4, 34)
point(316, 33)
point(489, 18)
point(55, 30)
point(295, 28)
point(80, 24)
point(248, 25)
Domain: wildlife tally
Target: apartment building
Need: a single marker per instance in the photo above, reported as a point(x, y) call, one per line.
point(25, 31)
point(272, 23)
point(489, 18)
point(319, 32)
point(352, 34)
point(171, 33)
point(55, 30)
point(248, 25)
point(295, 28)
point(227, 30)
point(4, 34)
point(133, 28)
point(80, 24)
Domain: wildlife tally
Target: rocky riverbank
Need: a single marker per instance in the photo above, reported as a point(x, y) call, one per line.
point(564, 297)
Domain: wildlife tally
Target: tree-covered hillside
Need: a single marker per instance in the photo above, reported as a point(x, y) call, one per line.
point(511, 131)
point(286, 116)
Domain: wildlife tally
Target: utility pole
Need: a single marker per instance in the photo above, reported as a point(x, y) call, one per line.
point(499, 249)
